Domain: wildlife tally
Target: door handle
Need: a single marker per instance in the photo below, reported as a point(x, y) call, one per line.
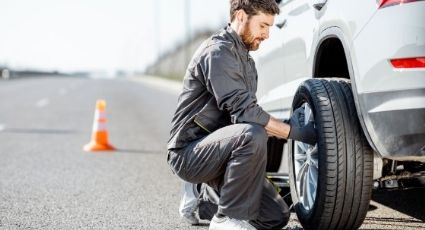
point(281, 24)
point(319, 4)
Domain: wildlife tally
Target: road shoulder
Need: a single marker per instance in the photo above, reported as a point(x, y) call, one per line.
point(162, 84)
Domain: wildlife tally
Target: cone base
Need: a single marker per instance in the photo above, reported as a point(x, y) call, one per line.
point(93, 147)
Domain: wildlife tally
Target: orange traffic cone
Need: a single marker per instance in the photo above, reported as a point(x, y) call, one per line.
point(99, 138)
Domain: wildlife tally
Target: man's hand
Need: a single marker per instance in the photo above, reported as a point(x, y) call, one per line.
point(300, 132)
point(293, 129)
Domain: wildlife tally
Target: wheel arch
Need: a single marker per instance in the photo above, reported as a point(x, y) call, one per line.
point(334, 37)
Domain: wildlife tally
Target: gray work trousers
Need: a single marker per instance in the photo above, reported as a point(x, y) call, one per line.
point(232, 160)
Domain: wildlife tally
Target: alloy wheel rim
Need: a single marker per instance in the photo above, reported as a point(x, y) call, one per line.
point(306, 166)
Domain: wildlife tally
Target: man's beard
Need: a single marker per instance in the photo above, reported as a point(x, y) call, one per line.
point(249, 40)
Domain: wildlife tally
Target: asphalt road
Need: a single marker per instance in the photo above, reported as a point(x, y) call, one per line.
point(48, 182)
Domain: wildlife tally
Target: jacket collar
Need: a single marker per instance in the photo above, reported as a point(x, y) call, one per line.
point(238, 40)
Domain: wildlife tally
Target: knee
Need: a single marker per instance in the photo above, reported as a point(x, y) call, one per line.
point(258, 134)
point(254, 137)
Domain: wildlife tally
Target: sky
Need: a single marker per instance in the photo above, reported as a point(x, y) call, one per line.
point(99, 35)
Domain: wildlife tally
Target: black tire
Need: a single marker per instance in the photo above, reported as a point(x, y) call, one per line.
point(345, 159)
point(274, 153)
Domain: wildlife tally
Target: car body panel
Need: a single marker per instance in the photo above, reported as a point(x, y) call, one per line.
point(370, 38)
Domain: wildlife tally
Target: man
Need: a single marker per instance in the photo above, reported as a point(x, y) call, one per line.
point(219, 132)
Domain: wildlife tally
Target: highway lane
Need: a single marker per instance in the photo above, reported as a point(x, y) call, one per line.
point(48, 182)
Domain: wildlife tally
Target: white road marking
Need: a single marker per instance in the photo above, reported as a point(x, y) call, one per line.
point(43, 102)
point(2, 127)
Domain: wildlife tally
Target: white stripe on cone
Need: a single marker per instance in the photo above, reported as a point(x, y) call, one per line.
point(99, 126)
point(99, 121)
point(99, 115)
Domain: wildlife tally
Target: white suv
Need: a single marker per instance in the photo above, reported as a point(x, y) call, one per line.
point(358, 69)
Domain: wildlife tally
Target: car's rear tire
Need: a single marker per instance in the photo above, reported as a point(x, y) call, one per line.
point(331, 182)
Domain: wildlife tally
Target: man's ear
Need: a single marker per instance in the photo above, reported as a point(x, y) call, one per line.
point(241, 16)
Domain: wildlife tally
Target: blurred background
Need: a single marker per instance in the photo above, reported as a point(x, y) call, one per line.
point(104, 38)
point(57, 58)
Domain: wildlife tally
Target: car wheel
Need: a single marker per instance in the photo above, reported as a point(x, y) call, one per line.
point(331, 182)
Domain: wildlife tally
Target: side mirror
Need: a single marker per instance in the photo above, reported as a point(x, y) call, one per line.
point(319, 4)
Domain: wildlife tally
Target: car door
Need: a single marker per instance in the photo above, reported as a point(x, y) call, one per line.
point(299, 33)
point(288, 62)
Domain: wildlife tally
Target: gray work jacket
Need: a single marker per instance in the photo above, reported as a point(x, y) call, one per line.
point(218, 89)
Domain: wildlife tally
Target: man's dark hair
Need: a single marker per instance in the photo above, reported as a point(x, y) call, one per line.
point(253, 7)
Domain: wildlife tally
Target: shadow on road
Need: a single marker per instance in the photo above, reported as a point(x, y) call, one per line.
point(410, 202)
point(203, 224)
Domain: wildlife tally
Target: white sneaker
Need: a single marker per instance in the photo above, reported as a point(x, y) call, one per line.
point(190, 218)
point(227, 223)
